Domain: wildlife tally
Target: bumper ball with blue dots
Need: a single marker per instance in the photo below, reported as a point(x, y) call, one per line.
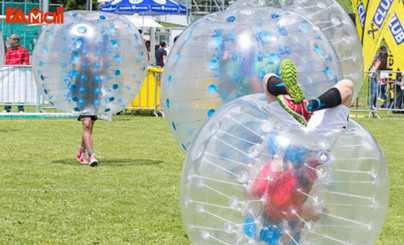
point(248, 178)
point(94, 63)
point(226, 55)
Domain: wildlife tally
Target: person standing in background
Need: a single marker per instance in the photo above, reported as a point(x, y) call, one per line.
point(161, 54)
point(16, 55)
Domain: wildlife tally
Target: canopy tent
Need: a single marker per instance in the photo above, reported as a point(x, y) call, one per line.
point(143, 21)
point(144, 7)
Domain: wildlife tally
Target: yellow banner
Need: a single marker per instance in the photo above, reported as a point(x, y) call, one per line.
point(394, 37)
point(359, 8)
point(378, 16)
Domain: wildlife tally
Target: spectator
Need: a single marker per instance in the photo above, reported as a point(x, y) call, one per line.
point(161, 54)
point(379, 64)
point(16, 55)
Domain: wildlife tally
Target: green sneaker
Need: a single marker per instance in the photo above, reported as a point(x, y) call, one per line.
point(289, 77)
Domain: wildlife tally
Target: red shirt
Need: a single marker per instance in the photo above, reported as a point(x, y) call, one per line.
point(17, 56)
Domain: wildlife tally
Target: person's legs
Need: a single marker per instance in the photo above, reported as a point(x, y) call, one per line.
point(20, 108)
point(87, 140)
point(340, 94)
point(7, 108)
point(373, 96)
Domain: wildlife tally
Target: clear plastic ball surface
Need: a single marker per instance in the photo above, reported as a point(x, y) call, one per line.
point(95, 63)
point(333, 21)
point(226, 55)
point(248, 178)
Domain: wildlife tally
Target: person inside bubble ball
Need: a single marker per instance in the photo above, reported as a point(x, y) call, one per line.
point(284, 183)
point(89, 67)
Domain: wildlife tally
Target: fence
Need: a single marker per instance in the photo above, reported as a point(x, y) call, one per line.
point(148, 98)
point(381, 94)
point(18, 88)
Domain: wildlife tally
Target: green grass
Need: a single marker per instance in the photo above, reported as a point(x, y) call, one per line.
point(46, 197)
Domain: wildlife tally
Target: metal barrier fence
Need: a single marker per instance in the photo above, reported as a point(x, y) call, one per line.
point(148, 98)
point(18, 88)
point(381, 91)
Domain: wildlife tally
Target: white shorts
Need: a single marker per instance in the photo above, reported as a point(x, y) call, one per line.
point(331, 119)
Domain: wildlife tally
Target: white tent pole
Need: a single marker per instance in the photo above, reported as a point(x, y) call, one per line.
point(153, 44)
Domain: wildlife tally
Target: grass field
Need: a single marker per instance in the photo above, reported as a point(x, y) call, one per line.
point(133, 196)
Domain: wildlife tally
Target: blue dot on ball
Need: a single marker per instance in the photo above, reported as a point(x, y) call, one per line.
point(83, 65)
point(304, 28)
point(217, 41)
point(169, 80)
point(318, 49)
point(50, 35)
point(75, 99)
point(250, 227)
point(45, 91)
point(210, 112)
point(173, 126)
point(111, 99)
point(128, 87)
point(97, 65)
point(42, 78)
point(97, 91)
point(75, 73)
point(115, 86)
point(40, 64)
point(212, 89)
point(81, 102)
point(74, 15)
point(45, 49)
point(97, 78)
point(107, 109)
point(117, 57)
point(231, 19)
point(213, 64)
point(102, 17)
point(78, 43)
point(188, 35)
point(83, 78)
point(328, 71)
point(114, 43)
point(121, 100)
point(82, 29)
point(82, 90)
point(112, 29)
point(97, 103)
point(117, 72)
point(73, 87)
point(168, 103)
point(76, 109)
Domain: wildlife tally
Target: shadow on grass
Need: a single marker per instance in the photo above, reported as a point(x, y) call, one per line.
point(113, 162)
point(3, 130)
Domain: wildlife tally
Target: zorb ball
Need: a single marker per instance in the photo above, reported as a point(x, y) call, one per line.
point(226, 55)
point(251, 177)
point(92, 64)
point(334, 22)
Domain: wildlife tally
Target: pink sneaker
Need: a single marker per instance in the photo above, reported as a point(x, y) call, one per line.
point(297, 110)
point(93, 161)
point(81, 157)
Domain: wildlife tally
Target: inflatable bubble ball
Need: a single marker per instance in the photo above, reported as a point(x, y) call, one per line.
point(248, 178)
point(94, 63)
point(335, 24)
point(225, 55)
